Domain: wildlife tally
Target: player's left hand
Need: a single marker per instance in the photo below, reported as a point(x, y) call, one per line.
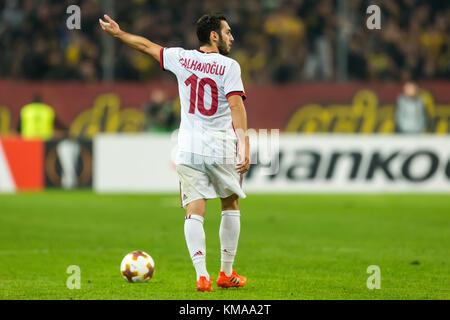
point(243, 156)
point(243, 166)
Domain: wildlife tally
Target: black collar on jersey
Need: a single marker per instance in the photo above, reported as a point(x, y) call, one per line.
point(206, 52)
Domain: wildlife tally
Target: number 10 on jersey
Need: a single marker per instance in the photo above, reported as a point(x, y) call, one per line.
point(197, 95)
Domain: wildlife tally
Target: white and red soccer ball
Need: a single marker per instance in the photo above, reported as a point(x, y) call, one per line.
point(137, 266)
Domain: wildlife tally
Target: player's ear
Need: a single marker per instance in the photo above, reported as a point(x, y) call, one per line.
point(213, 36)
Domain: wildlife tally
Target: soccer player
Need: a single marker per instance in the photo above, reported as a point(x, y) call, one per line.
point(213, 148)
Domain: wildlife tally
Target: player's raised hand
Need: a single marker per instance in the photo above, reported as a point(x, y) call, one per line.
point(137, 42)
point(110, 26)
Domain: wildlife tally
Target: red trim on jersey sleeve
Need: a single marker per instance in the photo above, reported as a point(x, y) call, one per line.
point(241, 93)
point(161, 63)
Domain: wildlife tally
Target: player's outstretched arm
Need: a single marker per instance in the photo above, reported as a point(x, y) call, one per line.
point(239, 117)
point(140, 43)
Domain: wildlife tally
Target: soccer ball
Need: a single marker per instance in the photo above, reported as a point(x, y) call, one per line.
point(137, 266)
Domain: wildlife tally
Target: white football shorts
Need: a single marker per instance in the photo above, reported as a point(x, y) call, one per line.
point(203, 177)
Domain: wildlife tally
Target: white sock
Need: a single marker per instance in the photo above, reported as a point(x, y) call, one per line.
point(195, 240)
point(230, 227)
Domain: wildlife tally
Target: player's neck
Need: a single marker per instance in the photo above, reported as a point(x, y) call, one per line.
point(209, 48)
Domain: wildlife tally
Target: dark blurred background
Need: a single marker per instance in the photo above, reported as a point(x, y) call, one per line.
point(277, 41)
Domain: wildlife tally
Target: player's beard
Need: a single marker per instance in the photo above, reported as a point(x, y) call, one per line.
point(222, 46)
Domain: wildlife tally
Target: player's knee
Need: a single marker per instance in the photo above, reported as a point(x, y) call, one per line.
point(197, 207)
point(230, 203)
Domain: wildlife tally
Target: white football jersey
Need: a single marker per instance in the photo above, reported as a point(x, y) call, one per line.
point(205, 81)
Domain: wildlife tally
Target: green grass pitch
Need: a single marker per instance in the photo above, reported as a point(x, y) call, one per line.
point(291, 246)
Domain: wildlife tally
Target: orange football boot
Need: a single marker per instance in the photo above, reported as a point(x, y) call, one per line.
point(232, 281)
point(203, 284)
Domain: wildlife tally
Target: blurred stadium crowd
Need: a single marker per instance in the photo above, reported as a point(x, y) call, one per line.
point(277, 41)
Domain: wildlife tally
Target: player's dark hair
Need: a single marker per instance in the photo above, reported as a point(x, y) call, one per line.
point(208, 23)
